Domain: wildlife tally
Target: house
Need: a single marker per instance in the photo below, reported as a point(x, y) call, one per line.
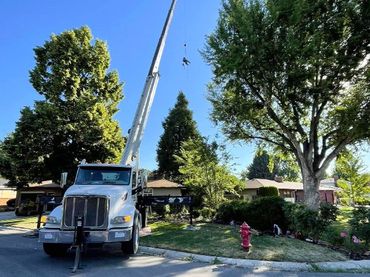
point(6, 193)
point(28, 196)
point(163, 187)
point(291, 191)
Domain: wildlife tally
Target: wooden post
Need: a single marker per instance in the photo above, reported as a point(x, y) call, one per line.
point(191, 213)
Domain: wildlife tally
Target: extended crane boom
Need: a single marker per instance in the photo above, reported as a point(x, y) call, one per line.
point(105, 203)
point(147, 96)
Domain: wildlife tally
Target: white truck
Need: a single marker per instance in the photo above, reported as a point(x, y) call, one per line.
point(102, 202)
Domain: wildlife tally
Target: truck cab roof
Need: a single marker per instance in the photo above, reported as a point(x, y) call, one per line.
point(104, 165)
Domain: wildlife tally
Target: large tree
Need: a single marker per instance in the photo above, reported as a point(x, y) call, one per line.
point(74, 121)
point(294, 74)
point(178, 126)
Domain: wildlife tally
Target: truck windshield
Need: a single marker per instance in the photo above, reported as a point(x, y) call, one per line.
point(103, 176)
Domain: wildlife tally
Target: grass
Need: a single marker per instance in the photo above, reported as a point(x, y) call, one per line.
point(222, 240)
point(29, 222)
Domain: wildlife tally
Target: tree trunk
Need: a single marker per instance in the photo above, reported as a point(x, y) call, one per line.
point(311, 190)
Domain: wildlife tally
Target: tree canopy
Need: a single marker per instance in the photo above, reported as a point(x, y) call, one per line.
point(74, 121)
point(178, 126)
point(294, 74)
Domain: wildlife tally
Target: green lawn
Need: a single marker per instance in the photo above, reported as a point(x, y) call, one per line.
point(29, 222)
point(222, 240)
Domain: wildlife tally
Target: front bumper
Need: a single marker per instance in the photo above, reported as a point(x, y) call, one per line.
point(63, 236)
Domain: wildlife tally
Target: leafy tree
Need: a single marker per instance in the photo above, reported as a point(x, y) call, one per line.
point(203, 173)
point(355, 185)
point(285, 165)
point(179, 126)
point(74, 121)
point(293, 74)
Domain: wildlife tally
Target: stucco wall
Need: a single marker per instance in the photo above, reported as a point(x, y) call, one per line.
point(5, 195)
point(166, 191)
point(249, 194)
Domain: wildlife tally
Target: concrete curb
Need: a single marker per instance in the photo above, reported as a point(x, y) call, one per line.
point(363, 265)
point(260, 266)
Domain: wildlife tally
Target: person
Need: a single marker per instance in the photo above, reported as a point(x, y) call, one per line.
point(185, 61)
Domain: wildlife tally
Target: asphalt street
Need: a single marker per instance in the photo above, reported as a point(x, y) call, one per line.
point(23, 256)
point(7, 215)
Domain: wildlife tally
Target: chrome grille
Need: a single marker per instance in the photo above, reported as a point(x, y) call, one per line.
point(93, 209)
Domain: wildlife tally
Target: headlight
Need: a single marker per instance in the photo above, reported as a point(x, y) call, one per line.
point(121, 219)
point(52, 220)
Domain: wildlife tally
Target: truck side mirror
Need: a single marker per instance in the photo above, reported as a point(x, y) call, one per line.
point(143, 178)
point(63, 179)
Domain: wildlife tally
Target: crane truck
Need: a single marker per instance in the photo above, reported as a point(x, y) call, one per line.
point(101, 206)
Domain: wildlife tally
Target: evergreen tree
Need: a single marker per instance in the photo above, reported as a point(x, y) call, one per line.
point(260, 166)
point(179, 126)
point(74, 121)
point(267, 165)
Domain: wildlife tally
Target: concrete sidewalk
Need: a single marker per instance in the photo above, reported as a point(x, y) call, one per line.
point(260, 266)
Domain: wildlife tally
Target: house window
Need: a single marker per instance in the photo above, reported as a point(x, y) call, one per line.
point(286, 193)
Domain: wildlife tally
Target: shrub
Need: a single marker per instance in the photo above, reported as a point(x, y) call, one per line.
point(328, 213)
point(232, 210)
point(11, 203)
point(310, 223)
point(161, 210)
point(334, 236)
point(261, 213)
point(207, 213)
point(267, 191)
point(360, 223)
point(264, 212)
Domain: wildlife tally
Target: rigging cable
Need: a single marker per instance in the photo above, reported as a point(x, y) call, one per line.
point(185, 60)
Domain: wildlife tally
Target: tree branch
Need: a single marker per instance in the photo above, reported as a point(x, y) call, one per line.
point(331, 156)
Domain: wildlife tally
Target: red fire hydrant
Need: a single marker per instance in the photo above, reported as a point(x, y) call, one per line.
point(245, 234)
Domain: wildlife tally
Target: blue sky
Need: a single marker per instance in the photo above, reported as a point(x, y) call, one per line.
point(131, 29)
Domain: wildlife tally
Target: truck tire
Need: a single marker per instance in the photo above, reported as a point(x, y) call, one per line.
point(132, 246)
point(55, 249)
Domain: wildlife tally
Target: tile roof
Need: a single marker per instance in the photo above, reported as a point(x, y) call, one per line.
point(257, 183)
point(163, 183)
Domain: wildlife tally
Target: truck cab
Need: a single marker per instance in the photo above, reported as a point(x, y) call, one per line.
point(103, 197)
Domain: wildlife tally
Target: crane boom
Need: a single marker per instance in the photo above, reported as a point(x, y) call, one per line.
point(147, 96)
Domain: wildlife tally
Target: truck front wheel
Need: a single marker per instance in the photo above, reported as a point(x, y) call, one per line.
point(55, 249)
point(131, 246)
